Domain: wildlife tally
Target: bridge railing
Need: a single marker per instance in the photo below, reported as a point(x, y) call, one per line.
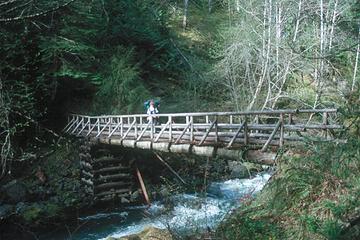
point(227, 129)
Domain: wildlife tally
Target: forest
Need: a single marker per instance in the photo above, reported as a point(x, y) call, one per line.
point(105, 57)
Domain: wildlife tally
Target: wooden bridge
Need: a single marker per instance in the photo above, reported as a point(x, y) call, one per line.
point(208, 133)
point(217, 133)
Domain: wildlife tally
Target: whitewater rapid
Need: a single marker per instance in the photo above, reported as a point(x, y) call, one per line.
point(183, 214)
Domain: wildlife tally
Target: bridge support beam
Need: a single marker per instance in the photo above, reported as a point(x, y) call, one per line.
point(129, 143)
point(144, 145)
point(208, 151)
point(180, 148)
point(233, 154)
point(161, 146)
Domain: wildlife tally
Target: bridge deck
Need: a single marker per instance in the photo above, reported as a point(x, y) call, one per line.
point(227, 130)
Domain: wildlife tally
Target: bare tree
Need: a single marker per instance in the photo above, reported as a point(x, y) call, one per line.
point(14, 10)
point(5, 134)
point(356, 63)
point(186, 6)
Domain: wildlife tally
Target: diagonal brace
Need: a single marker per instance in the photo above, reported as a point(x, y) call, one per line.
point(207, 133)
point(236, 135)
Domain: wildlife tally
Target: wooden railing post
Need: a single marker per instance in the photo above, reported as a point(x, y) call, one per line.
point(170, 128)
point(216, 130)
point(110, 125)
point(121, 126)
point(98, 126)
point(281, 130)
point(325, 122)
point(187, 121)
point(257, 121)
point(246, 135)
point(136, 128)
point(191, 129)
point(83, 122)
point(141, 123)
point(152, 129)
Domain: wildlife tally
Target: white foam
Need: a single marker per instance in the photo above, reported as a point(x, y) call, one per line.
point(104, 215)
point(192, 212)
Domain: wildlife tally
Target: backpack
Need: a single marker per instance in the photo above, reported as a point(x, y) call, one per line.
point(147, 104)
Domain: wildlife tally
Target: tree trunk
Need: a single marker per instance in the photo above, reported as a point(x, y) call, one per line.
point(356, 63)
point(186, 5)
point(297, 22)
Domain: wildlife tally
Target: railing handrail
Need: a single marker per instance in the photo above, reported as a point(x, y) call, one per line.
point(198, 114)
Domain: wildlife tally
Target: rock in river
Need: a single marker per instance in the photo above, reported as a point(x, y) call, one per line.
point(149, 233)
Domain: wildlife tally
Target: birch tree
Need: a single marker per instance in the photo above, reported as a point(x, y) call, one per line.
point(281, 45)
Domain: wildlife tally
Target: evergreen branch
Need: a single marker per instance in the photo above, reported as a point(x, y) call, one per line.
point(35, 15)
point(7, 3)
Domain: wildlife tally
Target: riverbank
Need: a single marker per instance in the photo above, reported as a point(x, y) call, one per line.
point(313, 195)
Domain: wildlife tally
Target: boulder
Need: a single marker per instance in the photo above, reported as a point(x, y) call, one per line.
point(5, 211)
point(149, 233)
point(238, 170)
point(15, 192)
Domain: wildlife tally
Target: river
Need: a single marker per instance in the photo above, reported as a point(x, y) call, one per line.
point(182, 214)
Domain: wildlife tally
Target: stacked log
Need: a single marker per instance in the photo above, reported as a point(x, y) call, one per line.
point(105, 177)
point(112, 179)
point(86, 168)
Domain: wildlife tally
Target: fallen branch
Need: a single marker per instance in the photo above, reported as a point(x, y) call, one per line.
point(170, 168)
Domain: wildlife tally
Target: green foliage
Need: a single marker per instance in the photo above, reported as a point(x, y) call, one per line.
point(313, 195)
point(122, 89)
point(246, 228)
point(32, 213)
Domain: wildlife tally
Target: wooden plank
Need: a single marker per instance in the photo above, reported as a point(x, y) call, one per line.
point(242, 113)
